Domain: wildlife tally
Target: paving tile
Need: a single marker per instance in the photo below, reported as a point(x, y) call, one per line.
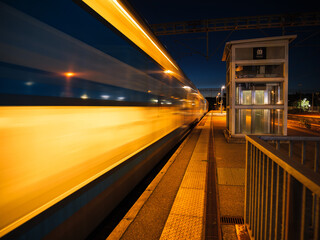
point(231, 199)
point(199, 156)
point(203, 148)
point(189, 202)
point(194, 180)
point(238, 175)
point(198, 166)
point(182, 227)
point(229, 232)
point(231, 176)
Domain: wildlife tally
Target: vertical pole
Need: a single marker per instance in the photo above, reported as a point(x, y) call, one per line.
point(285, 91)
point(284, 204)
point(255, 209)
point(272, 201)
point(316, 228)
point(233, 90)
point(217, 100)
point(251, 184)
point(263, 197)
point(279, 199)
point(221, 98)
point(258, 207)
point(253, 176)
point(268, 194)
point(288, 207)
point(247, 182)
point(314, 199)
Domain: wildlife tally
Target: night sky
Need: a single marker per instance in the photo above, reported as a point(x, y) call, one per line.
point(188, 49)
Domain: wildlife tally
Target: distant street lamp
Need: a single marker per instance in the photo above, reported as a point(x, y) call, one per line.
point(223, 87)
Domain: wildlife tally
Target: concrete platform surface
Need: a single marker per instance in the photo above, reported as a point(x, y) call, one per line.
point(230, 163)
point(175, 200)
point(174, 204)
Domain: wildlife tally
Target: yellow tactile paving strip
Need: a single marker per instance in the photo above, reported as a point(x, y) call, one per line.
point(182, 227)
point(186, 218)
point(198, 166)
point(194, 180)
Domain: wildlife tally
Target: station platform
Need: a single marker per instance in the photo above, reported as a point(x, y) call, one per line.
point(175, 204)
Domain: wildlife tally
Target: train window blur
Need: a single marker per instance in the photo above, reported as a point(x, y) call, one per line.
point(68, 16)
point(89, 50)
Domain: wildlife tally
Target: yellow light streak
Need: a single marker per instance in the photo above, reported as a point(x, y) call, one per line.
point(147, 36)
point(75, 151)
point(126, 22)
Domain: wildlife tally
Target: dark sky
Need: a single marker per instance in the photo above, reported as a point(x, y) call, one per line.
point(187, 49)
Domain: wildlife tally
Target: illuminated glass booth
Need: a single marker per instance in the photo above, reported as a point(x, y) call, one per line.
point(257, 85)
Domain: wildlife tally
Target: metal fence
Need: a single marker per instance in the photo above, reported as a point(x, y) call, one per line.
point(282, 187)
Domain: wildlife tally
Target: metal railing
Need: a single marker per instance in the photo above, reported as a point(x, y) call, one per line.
point(282, 187)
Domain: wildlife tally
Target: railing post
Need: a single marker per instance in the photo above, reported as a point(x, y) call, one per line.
point(247, 181)
point(268, 194)
point(272, 201)
point(279, 199)
point(288, 206)
point(258, 208)
point(316, 228)
point(252, 223)
point(263, 200)
point(257, 192)
point(251, 167)
point(315, 205)
point(284, 204)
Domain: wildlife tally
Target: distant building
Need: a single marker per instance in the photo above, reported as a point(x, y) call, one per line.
point(257, 85)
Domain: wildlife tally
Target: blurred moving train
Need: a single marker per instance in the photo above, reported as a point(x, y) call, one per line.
point(90, 101)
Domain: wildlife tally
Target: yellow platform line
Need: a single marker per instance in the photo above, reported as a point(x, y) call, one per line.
point(187, 216)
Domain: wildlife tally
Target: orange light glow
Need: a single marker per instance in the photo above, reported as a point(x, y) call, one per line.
point(69, 74)
point(168, 71)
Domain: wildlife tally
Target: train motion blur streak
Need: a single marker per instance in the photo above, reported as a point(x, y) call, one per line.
point(77, 100)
